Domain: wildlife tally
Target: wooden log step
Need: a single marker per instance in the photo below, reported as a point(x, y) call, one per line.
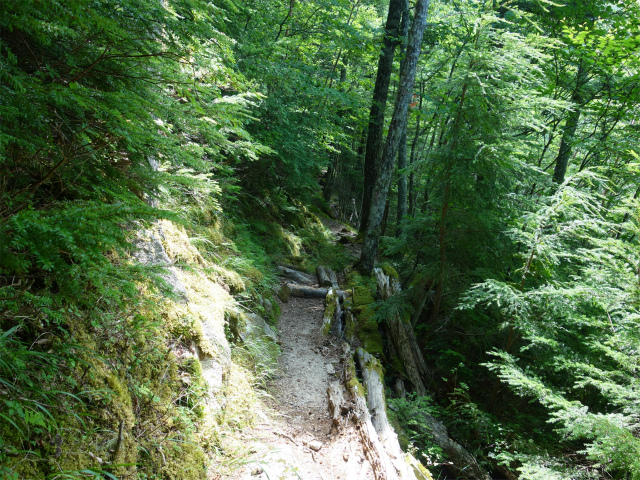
point(296, 276)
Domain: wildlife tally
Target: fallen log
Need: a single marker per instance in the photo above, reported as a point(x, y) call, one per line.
point(387, 459)
point(403, 338)
point(297, 276)
point(337, 404)
point(373, 448)
point(327, 277)
point(332, 317)
point(406, 467)
point(304, 291)
point(334, 278)
point(307, 292)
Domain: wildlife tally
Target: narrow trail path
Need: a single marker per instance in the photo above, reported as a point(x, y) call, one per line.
point(297, 441)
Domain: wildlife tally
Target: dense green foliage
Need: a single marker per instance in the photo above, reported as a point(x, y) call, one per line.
point(518, 254)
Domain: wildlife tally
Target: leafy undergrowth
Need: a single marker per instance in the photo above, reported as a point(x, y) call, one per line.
point(107, 384)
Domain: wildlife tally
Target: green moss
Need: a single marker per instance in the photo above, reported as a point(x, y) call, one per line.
point(397, 366)
point(362, 296)
point(351, 325)
point(368, 333)
point(374, 364)
point(353, 383)
point(284, 293)
point(419, 470)
point(329, 312)
point(389, 271)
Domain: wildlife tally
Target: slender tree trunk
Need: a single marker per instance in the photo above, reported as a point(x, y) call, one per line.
point(402, 149)
point(385, 219)
point(398, 122)
point(373, 151)
point(327, 191)
point(402, 180)
point(412, 158)
point(562, 160)
point(292, 4)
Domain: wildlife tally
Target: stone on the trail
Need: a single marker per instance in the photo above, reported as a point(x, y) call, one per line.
point(284, 293)
point(315, 445)
point(330, 369)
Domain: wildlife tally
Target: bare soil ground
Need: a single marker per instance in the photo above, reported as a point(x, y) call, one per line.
point(296, 440)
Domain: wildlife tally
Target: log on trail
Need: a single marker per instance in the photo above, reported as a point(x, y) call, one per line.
point(296, 276)
point(332, 317)
point(323, 276)
point(403, 337)
point(327, 277)
point(304, 291)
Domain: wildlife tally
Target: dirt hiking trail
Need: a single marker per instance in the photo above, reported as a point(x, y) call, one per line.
point(297, 441)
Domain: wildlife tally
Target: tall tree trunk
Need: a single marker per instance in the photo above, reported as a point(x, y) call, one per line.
point(398, 122)
point(292, 4)
point(373, 151)
point(402, 180)
point(402, 149)
point(385, 218)
point(562, 160)
point(412, 158)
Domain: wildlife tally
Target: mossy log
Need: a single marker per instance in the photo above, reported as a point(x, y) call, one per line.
point(380, 462)
point(403, 338)
point(296, 276)
point(337, 404)
point(372, 378)
point(332, 318)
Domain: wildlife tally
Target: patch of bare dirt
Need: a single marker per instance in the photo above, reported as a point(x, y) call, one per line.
point(298, 442)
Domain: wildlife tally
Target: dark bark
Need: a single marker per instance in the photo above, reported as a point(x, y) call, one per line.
point(564, 154)
point(373, 150)
point(402, 180)
point(398, 122)
point(385, 219)
point(292, 4)
point(402, 149)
